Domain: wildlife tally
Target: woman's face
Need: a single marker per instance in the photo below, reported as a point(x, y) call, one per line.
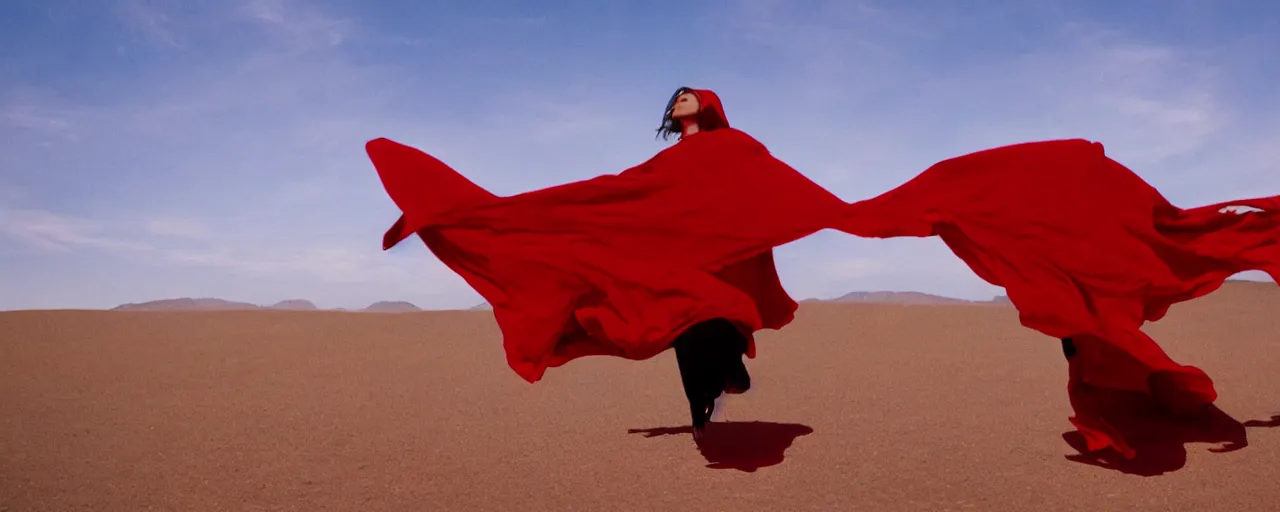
point(686, 105)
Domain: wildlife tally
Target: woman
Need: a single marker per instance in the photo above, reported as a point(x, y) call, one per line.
point(709, 354)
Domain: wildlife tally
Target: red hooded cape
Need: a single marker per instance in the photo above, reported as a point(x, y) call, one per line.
point(621, 264)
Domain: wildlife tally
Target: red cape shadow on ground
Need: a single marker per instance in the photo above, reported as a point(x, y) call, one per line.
point(744, 446)
point(1158, 438)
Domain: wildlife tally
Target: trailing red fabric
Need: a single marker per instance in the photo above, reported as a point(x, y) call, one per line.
point(1085, 250)
point(619, 264)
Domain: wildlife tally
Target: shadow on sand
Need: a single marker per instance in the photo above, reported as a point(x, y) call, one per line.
point(1159, 439)
point(744, 446)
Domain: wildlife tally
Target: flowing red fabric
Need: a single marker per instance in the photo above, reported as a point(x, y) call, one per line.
point(1085, 250)
point(621, 264)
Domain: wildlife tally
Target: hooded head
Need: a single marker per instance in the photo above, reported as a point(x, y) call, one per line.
point(710, 113)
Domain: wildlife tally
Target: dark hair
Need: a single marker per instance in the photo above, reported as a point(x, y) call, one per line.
point(670, 126)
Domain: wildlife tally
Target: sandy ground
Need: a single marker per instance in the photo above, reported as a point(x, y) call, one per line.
point(854, 407)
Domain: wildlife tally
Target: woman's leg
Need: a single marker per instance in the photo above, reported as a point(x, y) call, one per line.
point(729, 346)
point(696, 376)
point(709, 355)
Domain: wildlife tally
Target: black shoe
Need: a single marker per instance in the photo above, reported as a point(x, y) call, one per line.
point(1068, 348)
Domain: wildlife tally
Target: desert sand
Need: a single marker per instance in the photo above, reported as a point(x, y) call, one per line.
point(874, 407)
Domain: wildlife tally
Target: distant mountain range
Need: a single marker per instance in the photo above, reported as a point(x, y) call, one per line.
point(210, 304)
point(880, 297)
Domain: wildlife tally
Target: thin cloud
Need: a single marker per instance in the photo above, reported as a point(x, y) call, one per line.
point(38, 113)
point(30, 117)
point(177, 227)
point(153, 243)
point(302, 25)
point(49, 231)
point(149, 20)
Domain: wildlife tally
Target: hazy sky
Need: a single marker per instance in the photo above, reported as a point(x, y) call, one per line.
point(164, 148)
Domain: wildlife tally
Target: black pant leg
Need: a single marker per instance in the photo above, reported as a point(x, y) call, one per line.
point(709, 355)
point(731, 348)
point(694, 368)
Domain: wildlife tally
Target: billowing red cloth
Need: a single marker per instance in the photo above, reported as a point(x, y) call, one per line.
point(619, 264)
point(1087, 250)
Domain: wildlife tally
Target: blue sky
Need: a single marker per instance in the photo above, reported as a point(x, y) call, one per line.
point(161, 148)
